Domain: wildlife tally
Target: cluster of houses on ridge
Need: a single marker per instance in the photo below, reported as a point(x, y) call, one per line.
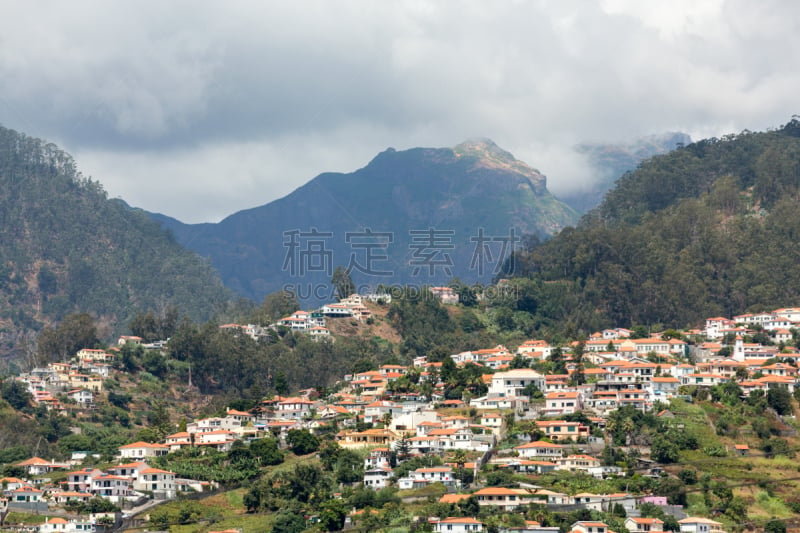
point(622, 371)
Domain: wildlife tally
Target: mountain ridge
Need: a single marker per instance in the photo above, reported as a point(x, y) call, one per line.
point(456, 190)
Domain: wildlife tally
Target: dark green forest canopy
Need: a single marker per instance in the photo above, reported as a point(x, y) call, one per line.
point(66, 247)
point(709, 229)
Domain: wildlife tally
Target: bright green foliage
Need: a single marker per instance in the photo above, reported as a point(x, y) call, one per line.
point(302, 441)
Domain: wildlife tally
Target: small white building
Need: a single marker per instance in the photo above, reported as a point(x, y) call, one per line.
point(458, 525)
point(139, 450)
point(378, 477)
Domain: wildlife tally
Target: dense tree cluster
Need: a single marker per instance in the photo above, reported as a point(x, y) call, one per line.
point(699, 232)
point(65, 246)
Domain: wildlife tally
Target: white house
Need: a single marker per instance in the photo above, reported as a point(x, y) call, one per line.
point(421, 477)
point(540, 450)
point(643, 525)
point(160, 482)
point(458, 525)
point(563, 402)
point(512, 383)
point(377, 477)
point(694, 524)
point(139, 450)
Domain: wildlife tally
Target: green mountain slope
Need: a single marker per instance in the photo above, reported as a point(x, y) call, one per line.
point(65, 247)
point(458, 193)
point(708, 229)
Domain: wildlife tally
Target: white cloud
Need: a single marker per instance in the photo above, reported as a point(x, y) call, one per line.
point(198, 109)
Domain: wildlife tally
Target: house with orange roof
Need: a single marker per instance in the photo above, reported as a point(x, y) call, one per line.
point(589, 527)
point(81, 480)
point(563, 403)
point(699, 379)
point(36, 466)
point(422, 477)
point(517, 404)
point(26, 494)
point(503, 498)
point(176, 441)
point(65, 496)
point(643, 525)
point(766, 383)
point(377, 477)
point(139, 450)
point(778, 369)
point(160, 482)
point(513, 382)
point(124, 339)
point(88, 354)
point(377, 411)
point(130, 470)
point(381, 438)
point(577, 463)
point(12, 483)
point(694, 524)
point(459, 525)
point(56, 524)
point(557, 430)
point(446, 295)
point(295, 408)
point(664, 386)
point(539, 450)
point(113, 488)
point(603, 401)
point(535, 346)
point(528, 466)
point(715, 324)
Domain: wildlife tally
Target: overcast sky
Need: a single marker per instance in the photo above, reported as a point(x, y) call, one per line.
point(199, 109)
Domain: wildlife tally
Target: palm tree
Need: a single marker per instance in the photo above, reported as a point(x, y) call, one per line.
point(628, 427)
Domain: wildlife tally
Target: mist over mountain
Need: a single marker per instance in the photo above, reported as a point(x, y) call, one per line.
point(421, 216)
point(608, 162)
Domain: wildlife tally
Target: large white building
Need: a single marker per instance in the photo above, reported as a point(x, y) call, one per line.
point(512, 383)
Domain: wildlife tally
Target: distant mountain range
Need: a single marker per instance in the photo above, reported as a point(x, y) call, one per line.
point(609, 162)
point(65, 247)
point(421, 216)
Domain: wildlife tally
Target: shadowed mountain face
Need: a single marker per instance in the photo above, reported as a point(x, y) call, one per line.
point(420, 216)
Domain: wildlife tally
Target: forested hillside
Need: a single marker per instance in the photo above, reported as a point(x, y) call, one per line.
point(66, 247)
point(709, 229)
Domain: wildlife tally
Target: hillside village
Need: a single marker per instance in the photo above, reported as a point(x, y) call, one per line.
point(519, 425)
